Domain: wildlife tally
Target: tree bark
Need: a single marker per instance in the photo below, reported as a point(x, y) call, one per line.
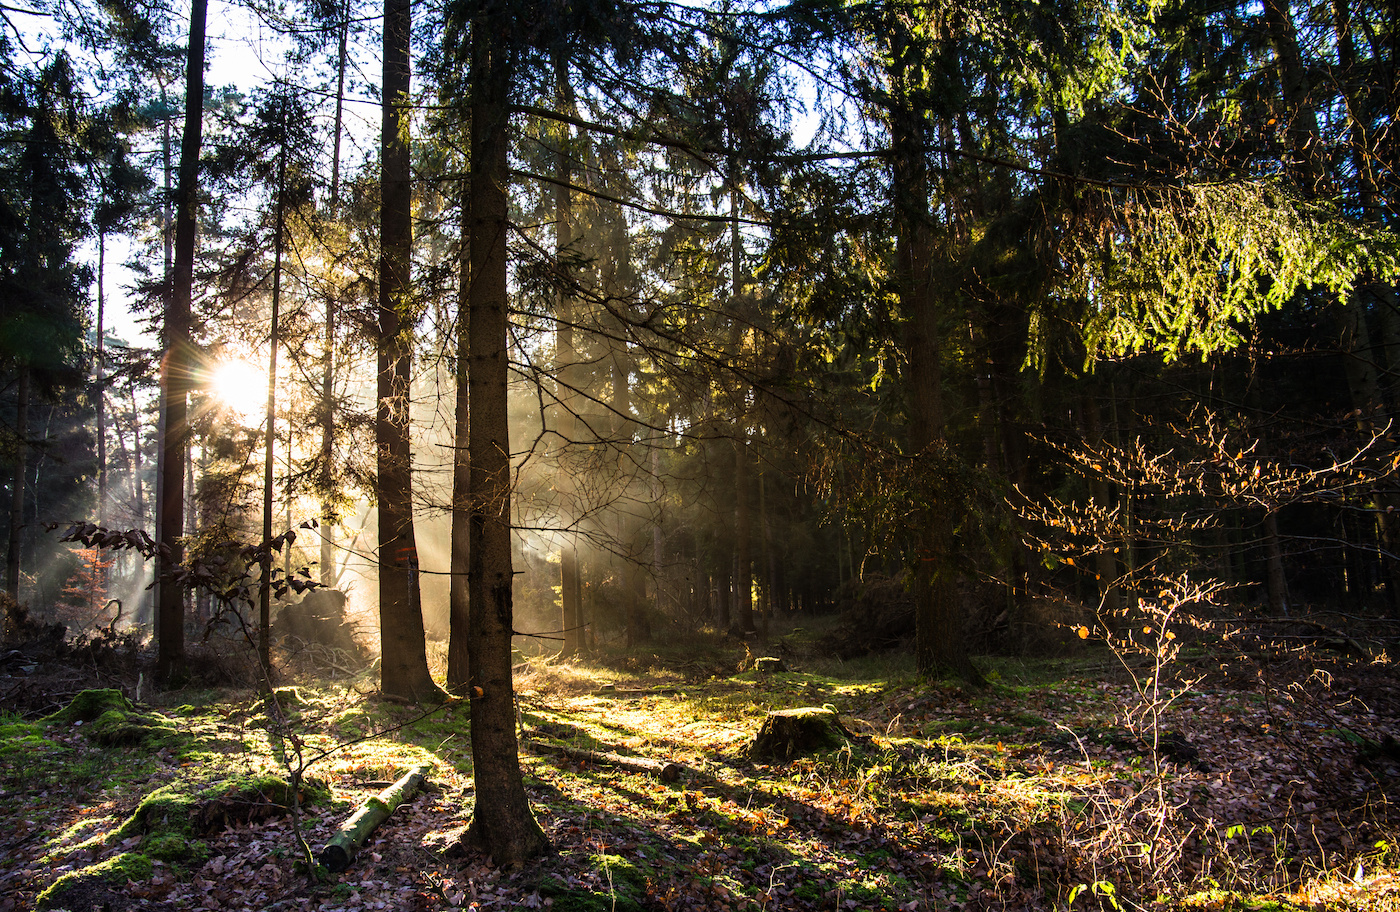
point(404, 668)
point(177, 366)
point(502, 823)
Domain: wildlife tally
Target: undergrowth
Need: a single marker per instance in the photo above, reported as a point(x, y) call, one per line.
point(1064, 784)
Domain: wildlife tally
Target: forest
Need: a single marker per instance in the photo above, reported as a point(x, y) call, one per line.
point(950, 445)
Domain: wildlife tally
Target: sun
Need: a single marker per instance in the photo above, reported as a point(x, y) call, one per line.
point(239, 387)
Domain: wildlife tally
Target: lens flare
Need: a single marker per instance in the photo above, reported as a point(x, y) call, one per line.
point(240, 387)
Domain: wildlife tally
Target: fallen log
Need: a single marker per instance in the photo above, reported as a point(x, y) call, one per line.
point(665, 769)
point(612, 690)
point(340, 850)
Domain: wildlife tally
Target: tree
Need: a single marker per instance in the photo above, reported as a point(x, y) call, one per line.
point(404, 670)
point(502, 823)
point(42, 219)
point(177, 366)
point(567, 373)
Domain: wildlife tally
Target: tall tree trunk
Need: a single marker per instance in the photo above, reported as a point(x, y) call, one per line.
point(12, 557)
point(938, 637)
point(724, 583)
point(270, 434)
point(502, 823)
point(329, 514)
point(660, 583)
point(743, 535)
point(629, 557)
point(1277, 579)
point(403, 652)
point(1372, 395)
point(99, 396)
point(567, 379)
point(743, 518)
point(177, 366)
point(459, 597)
point(138, 490)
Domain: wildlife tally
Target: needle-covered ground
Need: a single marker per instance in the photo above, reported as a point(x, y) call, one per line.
point(1268, 783)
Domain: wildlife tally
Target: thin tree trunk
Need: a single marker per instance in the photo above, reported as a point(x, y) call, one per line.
point(566, 373)
point(138, 490)
point(502, 823)
point(12, 560)
point(177, 366)
point(743, 520)
point(629, 558)
point(341, 59)
point(100, 386)
point(1277, 578)
point(459, 598)
point(329, 517)
point(1106, 545)
point(724, 583)
point(743, 536)
point(270, 435)
point(658, 566)
point(329, 514)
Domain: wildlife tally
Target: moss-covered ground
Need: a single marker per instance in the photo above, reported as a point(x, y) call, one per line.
point(1044, 790)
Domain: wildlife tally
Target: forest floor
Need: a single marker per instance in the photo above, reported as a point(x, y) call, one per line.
point(1266, 776)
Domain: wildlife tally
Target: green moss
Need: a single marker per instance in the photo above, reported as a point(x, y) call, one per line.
point(167, 809)
point(119, 870)
point(90, 705)
point(173, 847)
point(17, 737)
point(623, 873)
point(120, 728)
point(564, 898)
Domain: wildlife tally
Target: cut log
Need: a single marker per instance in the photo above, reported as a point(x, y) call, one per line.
point(340, 850)
point(789, 733)
point(664, 769)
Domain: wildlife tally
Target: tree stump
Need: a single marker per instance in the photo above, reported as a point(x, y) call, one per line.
point(789, 733)
point(769, 664)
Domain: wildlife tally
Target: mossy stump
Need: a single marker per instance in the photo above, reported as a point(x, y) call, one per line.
point(790, 733)
point(90, 705)
point(769, 664)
